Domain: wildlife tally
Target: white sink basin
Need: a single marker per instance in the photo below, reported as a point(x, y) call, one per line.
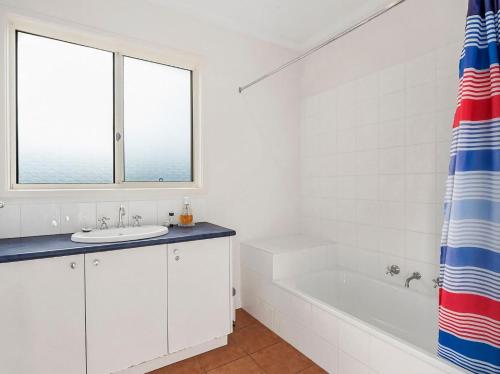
point(119, 234)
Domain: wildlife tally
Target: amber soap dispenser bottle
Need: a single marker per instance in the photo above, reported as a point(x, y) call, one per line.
point(186, 216)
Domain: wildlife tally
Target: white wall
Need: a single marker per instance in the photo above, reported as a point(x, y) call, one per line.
point(250, 142)
point(376, 118)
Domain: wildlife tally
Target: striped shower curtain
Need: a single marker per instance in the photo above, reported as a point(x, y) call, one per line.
point(469, 295)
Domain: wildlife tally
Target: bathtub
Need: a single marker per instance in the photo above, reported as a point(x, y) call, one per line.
point(409, 316)
point(345, 322)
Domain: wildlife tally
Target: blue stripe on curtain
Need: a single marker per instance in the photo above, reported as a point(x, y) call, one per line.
point(469, 256)
point(486, 160)
point(476, 350)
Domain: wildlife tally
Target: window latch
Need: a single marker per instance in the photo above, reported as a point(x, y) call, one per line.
point(118, 136)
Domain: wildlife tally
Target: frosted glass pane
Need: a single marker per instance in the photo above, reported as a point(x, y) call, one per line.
point(65, 112)
point(157, 122)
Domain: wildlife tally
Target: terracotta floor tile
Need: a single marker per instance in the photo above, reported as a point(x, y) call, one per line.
point(188, 366)
point(280, 359)
point(220, 356)
point(244, 365)
point(243, 319)
point(315, 369)
point(255, 337)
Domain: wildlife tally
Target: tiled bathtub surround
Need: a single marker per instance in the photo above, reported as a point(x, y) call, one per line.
point(338, 342)
point(376, 115)
point(374, 158)
point(52, 218)
point(290, 256)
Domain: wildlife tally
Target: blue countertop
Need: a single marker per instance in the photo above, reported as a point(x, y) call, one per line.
point(33, 247)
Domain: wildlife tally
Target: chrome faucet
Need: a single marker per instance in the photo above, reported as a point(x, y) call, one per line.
point(415, 275)
point(121, 214)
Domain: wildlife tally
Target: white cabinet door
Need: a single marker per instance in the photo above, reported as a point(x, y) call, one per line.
point(198, 292)
point(42, 316)
point(126, 307)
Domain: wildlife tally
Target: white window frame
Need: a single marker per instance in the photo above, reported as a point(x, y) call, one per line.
point(120, 49)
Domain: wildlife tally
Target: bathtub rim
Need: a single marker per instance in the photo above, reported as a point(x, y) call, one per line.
point(375, 331)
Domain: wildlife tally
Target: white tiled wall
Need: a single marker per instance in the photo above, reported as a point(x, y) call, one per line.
point(29, 219)
point(374, 158)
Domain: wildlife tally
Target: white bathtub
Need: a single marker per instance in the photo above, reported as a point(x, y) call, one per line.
point(409, 316)
point(345, 322)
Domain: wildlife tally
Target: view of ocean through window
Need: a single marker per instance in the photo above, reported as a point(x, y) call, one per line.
point(157, 122)
point(64, 112)
point(65, 116)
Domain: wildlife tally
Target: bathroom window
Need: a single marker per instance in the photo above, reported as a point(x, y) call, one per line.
point(157, 122)
point(64, 112)
point(87, 116)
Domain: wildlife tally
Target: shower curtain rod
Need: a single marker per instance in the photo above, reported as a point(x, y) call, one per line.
point(324, 44)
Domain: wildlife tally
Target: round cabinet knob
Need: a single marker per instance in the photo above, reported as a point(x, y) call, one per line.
point(177, 258)
point(72, 265)
point(96, 262)
point(176, 251)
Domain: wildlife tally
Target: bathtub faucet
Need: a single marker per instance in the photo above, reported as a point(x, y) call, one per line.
point(415, 275)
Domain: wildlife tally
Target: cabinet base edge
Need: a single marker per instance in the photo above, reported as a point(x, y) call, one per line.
point(160, 362)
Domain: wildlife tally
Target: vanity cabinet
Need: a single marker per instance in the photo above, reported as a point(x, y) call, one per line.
point(104, 312)
point(126, 301)
point(199, 292)
point(42, 316)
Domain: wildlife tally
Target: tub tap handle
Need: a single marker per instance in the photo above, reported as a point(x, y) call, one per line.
point(437, 282)
point(392, 270)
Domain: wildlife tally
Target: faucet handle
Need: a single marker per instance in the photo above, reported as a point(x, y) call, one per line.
point(103, 222)
point(137, 220)
point(392, 270)
point(437, 282)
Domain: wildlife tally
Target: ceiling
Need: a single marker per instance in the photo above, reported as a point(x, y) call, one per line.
point(297, 24)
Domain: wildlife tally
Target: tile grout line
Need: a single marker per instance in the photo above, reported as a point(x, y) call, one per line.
point(256, 363)
point(227, 363)
point(246, 354)
point(257, 323)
